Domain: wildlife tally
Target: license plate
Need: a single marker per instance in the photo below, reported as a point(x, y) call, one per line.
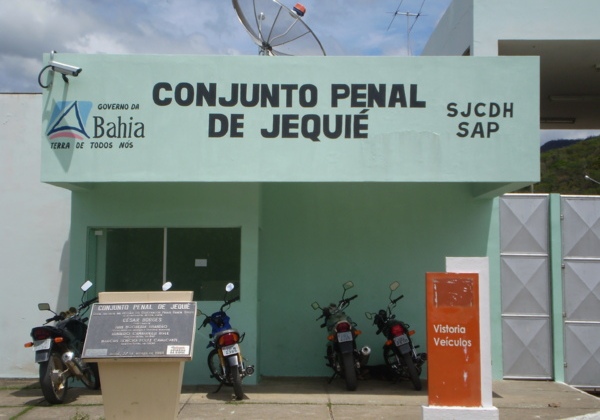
point(230, 350)
point(400, 340)
point(42, 344)
point(344, 336)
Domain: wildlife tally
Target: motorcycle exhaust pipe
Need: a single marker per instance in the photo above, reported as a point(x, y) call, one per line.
point(365, 352)
point(68, 359)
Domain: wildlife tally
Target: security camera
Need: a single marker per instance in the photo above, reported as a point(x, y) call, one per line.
point(65, 68)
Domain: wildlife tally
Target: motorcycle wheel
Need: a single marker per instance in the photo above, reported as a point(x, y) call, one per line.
point(236, 379)
point(214, 365)
point(390, 358)
point(349, 371)
point(91, 376)
point(412, 371)
point(53, 383)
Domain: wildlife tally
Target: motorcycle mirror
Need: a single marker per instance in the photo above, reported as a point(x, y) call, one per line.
point(348, 285)
point(315, 305)
point(44, 307)
point(229, 287)
point(86, 286)
point(199, 312)
point(394, 286)
point(369, 315)
point(166, 286)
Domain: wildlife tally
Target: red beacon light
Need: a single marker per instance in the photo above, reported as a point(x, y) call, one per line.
point(299, 9)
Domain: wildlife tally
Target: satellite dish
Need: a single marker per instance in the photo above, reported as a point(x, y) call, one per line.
point(276, 29)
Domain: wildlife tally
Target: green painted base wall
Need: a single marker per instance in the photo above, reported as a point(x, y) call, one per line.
point(300, 242)
point(177, 205)
point(315, 237)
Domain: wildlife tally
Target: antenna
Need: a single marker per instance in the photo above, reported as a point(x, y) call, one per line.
point(408, 16)
point(276, 29)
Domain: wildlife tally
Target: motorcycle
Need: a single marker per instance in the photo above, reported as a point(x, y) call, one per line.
point(399, 353)
point(58, 350)
point(225, 360)
point(342, 354)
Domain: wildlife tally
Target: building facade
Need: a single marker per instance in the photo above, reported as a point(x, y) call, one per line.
point(288, 177)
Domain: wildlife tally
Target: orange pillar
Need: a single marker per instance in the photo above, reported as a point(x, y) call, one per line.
point(453, 342)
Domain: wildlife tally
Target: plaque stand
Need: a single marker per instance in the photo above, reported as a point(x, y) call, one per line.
point(142, 388)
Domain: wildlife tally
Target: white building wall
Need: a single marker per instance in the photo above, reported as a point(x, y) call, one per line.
point(453, 34)
point(479, 25)
point(34, 234)
point(533, 19)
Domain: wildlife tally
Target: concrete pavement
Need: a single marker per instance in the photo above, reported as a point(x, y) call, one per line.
point(297, 398)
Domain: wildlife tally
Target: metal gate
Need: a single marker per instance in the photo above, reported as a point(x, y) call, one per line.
point(581, 289)
point(525, 281)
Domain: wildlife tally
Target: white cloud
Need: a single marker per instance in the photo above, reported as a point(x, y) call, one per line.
point(548, 135)
point(97, 43)
point(34, 27)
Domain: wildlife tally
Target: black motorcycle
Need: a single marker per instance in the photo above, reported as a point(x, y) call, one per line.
point(399, 353)
point(58, 350)
point(225, 360)
point(342, 354)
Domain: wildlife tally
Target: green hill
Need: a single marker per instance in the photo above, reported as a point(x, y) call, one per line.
point(563, 170)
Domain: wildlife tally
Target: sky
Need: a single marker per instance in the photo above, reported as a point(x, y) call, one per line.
point(30, 28)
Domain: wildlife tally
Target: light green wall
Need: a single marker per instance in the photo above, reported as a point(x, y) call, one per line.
point(495, 290)
point(556, 278)
point(315, 237)
point(440, 119)
point(177, 205)
point(388, 206)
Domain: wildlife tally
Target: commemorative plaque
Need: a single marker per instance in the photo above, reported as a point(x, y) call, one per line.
point(141, 330)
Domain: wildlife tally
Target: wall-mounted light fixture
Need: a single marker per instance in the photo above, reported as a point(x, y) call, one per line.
point(64, 69)
point(557, 120)
point(574, 98)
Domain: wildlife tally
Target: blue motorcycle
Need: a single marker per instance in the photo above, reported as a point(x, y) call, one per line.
point(225, 360)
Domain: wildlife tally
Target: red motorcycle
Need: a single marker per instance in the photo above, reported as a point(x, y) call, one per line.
point(399, 353)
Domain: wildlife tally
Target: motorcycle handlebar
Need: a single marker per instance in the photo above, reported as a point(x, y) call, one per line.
point(88, 303)
point(54, 318)
point(347, 300)
point(397, 299)
point(229, 302)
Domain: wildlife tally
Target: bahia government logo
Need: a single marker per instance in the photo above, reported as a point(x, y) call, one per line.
point(68, 120)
